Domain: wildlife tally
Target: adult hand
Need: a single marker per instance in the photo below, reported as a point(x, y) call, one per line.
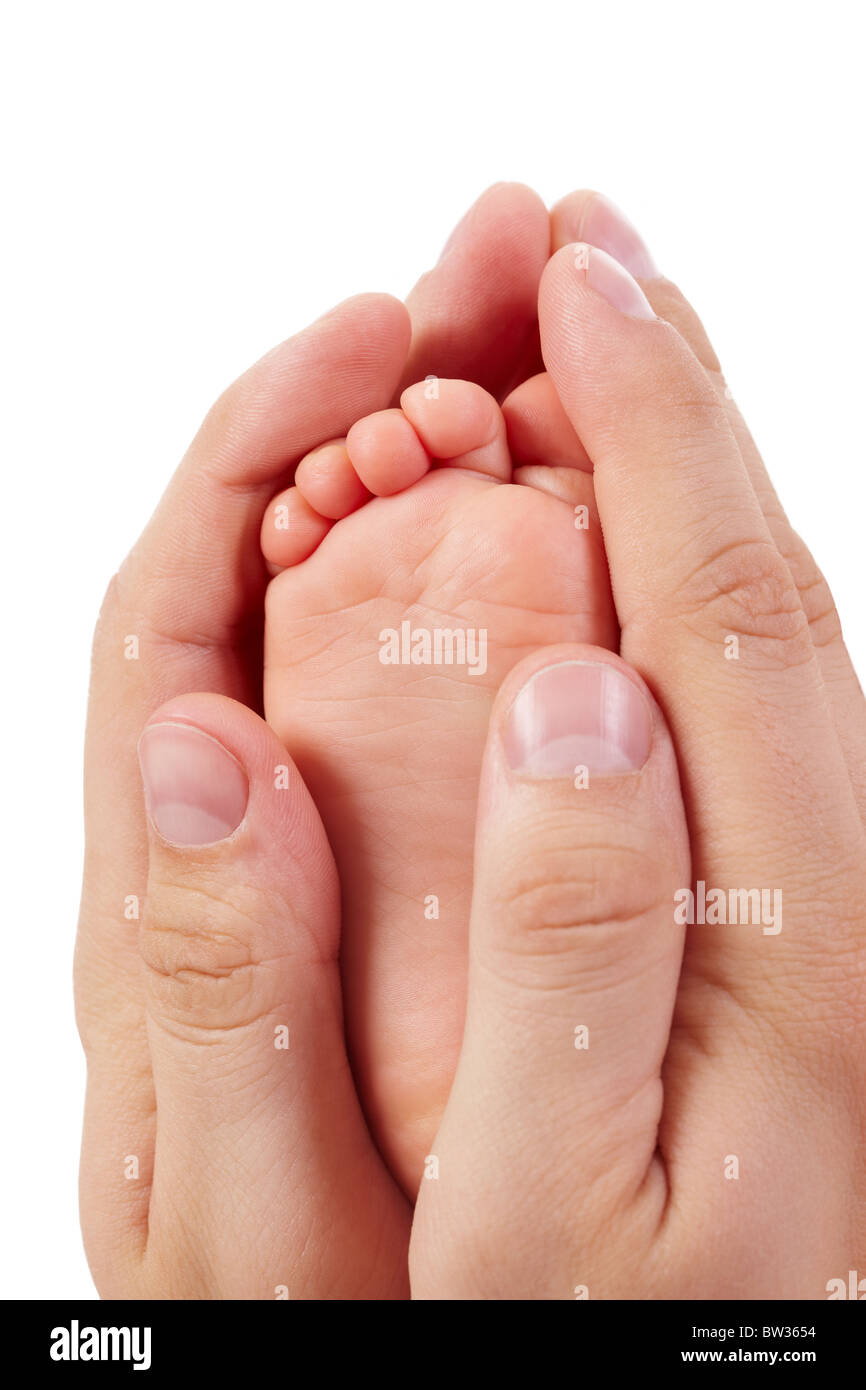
point(645, 1107)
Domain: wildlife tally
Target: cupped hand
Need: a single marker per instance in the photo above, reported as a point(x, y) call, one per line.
point(661, 1088)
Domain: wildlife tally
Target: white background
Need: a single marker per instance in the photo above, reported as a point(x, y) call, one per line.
point(186, 184)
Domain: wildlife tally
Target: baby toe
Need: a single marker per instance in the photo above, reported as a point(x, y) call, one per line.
point(291, 529)
point(459, 424)
point(327, 480)
point(386, 452)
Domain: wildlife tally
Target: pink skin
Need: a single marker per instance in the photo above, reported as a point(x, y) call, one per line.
point(392, 758)
point(386, 453)
point(151, 990)
point(291, 529)
point(460, 425)
point(328, 481)
point(602, 1177)
point(539, 431)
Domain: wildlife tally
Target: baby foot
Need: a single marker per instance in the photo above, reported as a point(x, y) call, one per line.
point(421, 558)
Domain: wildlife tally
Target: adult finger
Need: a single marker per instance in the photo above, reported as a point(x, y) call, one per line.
point(585, 216)
point(184, 613)
point(574, 959)
point(475, 315)
point(264, 1173)
point(711, 617)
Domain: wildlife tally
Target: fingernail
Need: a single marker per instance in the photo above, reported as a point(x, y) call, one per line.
point(611, 280)
point(578, 714)
point(605, 226)
point(195, 791)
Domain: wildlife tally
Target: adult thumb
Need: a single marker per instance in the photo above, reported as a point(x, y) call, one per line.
point(260, 1140)
point(551, 1127)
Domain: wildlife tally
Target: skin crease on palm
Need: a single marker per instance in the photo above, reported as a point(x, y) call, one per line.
point(214, 1027)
